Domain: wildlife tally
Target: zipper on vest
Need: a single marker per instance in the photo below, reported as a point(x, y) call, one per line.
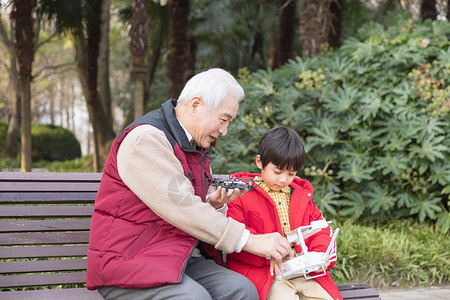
point(203, 157)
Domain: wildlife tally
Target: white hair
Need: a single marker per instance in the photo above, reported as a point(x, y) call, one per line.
point(212, 86)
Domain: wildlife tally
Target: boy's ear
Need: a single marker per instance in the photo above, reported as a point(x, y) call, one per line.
point(258, 162)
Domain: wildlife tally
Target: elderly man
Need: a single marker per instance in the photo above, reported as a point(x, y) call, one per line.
point(156, 223)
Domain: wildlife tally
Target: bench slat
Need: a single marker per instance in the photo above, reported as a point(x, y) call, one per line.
point(363, 297)
point(41, 252)
point(48, 186)
point(352, 286)
point(44, 225)
point(42, 279)
point(27, 266)
point(65, 197)
point(46, 211)
point(49, 176)
point(45, 238)
point(360, 294)
point(52, 294)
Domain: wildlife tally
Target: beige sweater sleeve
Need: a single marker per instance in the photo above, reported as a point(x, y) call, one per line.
point(148, 166)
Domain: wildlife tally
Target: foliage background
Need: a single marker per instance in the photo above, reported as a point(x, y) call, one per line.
point(374, 116)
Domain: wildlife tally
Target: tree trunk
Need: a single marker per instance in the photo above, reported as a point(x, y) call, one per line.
point(12, 137)
point(51, 99)
point(151, 69)
point(138, 49)
point(86, 55)
point(25, 49)
point(104, 86)
point(316, 21)
point(335, 32)
point(103, 132)
point(286, 32)
point(448, 10)
point(191, 58)
point(152, 64)
point(273, 51)
point(428, 9)
point(178, 44)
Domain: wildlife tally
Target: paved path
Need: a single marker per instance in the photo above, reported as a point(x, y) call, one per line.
point(416, 293)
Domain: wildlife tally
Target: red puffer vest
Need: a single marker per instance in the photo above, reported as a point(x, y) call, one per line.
point(129, 245)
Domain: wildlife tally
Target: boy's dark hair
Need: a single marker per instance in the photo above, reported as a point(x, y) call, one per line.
point(282, 147)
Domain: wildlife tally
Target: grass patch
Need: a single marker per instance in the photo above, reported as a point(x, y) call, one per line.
point(402, 253)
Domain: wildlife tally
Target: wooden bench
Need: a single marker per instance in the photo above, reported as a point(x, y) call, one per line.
point(44, 234)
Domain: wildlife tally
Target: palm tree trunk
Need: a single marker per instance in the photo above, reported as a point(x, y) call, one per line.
point(103, 132)
point(25, 50)
point(86, 56)
point(335, 32)
point(138, 49)
point(428, 9)
point(178, 44)
point(12, 136)
point(103, 72)
point(448, 10)
point(286, 32)
point(316, 24)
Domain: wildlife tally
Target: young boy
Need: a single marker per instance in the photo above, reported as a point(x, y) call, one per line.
point(280, 204)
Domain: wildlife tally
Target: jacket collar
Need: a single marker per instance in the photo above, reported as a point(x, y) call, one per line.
point(263, 185)
point(168, 110)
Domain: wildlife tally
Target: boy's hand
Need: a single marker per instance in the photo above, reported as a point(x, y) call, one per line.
point(277, 266)
point(221, 196)
point(327, 264)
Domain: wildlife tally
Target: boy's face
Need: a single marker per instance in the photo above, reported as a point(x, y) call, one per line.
point(275, 178)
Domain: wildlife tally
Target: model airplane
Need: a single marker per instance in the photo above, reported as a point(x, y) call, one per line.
point(234, 183)
point(307, 262)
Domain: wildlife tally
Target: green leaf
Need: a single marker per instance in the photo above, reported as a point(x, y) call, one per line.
point(443, 221)
point(426, 207)
point(341, 100)
point(405, 200)
point(389, 164)
point(354, 205)
point(362, 135)
point(379, 198)
point(358, 170)
point(431, 148)
point(325, 135)
point(446, 190)
point(326, 202)
point(440, 173)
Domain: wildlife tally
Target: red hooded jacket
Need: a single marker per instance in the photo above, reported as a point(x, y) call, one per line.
point(258, 212)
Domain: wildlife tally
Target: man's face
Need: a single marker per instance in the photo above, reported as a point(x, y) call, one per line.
point(210, 125)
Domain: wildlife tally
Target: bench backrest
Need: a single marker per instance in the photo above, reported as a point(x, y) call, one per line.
point(44, 235)
point(44, 227)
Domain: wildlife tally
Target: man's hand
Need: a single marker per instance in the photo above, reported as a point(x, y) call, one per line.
point(221, 196)
point(270, 245)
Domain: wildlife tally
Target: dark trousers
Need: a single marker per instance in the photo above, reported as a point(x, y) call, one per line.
point(203, 279)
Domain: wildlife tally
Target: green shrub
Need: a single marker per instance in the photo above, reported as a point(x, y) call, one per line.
point(374, 116)
point(50, 142)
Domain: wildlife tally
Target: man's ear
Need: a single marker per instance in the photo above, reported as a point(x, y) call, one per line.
point(194, 104)
point(258, 162)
